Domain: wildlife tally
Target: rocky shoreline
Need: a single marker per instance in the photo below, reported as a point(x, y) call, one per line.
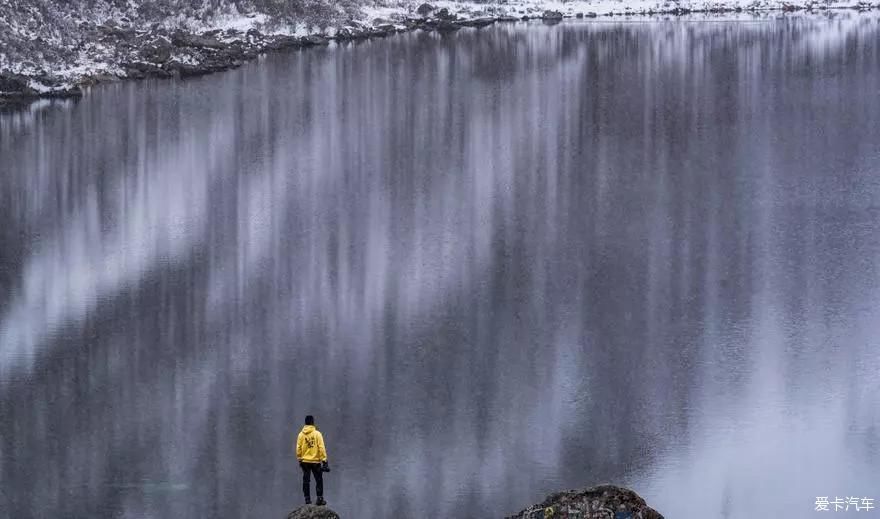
point(158, 52)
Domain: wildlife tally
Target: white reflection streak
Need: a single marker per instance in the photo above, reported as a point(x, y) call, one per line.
point(161, 209)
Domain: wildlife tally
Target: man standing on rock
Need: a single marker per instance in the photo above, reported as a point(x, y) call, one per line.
point(312, 457)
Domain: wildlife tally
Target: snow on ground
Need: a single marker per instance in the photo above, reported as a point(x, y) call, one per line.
point(608, 7)
point(72, 58)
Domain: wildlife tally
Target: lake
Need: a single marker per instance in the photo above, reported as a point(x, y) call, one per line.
point(494, 264)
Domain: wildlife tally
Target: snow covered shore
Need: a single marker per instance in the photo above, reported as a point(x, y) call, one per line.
point(39, 59)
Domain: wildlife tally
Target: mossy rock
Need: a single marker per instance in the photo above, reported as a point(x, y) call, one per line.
point(313, 512)
point(610, 500)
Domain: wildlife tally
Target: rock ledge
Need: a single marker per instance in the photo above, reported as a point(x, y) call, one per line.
point(313, 512)
point(603, 501)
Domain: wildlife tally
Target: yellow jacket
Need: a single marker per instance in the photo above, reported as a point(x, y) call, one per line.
point(310, 445)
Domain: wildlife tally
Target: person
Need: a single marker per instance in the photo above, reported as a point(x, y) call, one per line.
point(310, 452)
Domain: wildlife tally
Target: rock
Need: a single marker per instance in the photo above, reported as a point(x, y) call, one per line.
point(313, 512)
point(424, 10)
point(478, 22)
point(314, 39)
point(48, 85)
point(185, 70)
point(283, 42)
point(383, 30)
point(444, 14)
point(13, 85)
point(447, 26)
point(354, 32)
point(30, 65)
point(182, 39)
point(64, 92)
point(111, 30)
point(346, 33)
point(157, 50)
point(591, 14)
point(141, 70)
point(551, 15)
point(94, 79)
point(591, 502)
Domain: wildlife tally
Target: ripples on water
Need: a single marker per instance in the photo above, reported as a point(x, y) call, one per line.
point(494, 264)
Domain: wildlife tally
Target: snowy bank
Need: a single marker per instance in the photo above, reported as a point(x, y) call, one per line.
point(57, 56)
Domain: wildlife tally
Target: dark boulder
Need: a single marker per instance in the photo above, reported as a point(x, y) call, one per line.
point(206, 65)
point(185, 70)
point(313, 512)
point(444, 14)
point(386, 29)
point(346, 33)
point(478, 22)
point(314, 39)
point(13, 85)
point(156, 50)
point(600, 501)
point(551, 15)
point(141, 70)
point(65, 92)
point(424, 10)
point(48, 85)
point(283, 42)
point(94, 79)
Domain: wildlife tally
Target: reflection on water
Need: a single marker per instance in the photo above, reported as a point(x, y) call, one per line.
point(493, 264)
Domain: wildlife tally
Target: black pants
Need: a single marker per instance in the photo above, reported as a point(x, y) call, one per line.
point(312, 468)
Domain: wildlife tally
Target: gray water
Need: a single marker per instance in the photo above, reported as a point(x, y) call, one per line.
point(494, 264)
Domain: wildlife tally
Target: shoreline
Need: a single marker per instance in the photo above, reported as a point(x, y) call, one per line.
point(160, 52)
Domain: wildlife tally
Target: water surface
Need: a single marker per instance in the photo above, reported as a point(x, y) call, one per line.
point(494, 264)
